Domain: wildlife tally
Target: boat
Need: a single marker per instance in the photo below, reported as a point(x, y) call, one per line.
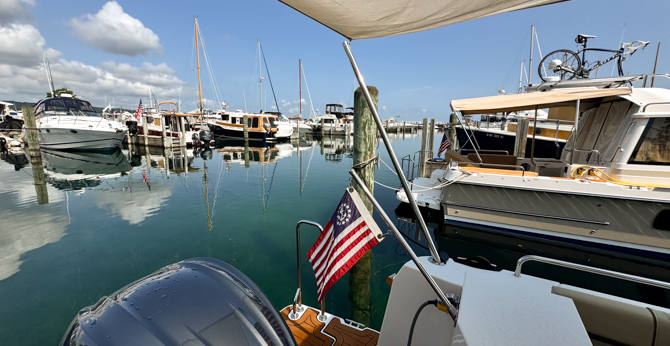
point(335, 122)
point(261, 127)
point(66, 122)
point(11, 120)
point(610, 188)
point(433, 301)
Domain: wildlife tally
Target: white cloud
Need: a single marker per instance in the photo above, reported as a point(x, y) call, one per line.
point(114, 31)
point(22, 45)
point(383, 108)
point(12, 11)
point(424, 110)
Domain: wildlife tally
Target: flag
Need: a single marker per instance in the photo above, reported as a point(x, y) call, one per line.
point(139, 111)
point(350, 233)
point(144, 178)
point(444, 145)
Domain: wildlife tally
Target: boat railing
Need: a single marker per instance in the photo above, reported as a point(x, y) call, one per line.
point(590, 151)
point(588, 269)
point(653, 76)
point(487, 151)
point(644, 109)
point(297, 300)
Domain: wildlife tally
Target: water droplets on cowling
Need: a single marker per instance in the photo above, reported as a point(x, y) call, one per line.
point(164, 296)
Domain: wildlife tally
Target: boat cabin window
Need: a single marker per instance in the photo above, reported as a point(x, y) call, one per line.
point(64, 106)
point(654, 145)
point(254, 122)
point(272, 122)
point(225, 117)
point(265, 122)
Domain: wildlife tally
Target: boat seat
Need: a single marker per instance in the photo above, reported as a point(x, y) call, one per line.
point(497, 159)
point(498, 171)
point(453, 155)
point(612, 320)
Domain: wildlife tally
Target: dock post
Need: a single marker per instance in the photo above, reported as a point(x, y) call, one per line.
point(145, 129)
point(182, 132)
point(424, 145)
point(453, 121)
point(323, 127)
point(521, 137)
point(164, 135)
point(35, 155)
point(365, 139)
point(431, 139)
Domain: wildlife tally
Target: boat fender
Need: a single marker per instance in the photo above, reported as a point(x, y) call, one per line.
point(478, 262)
point(3, 144)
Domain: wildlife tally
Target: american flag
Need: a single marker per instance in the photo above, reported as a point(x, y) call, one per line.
point(144, 178)
point(444, 145)
point(139, 111)
point(349, 234)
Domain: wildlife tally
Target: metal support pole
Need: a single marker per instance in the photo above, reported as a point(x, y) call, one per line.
point(574, 134)
point(532, 143)
point(453, 311)
point(530, 60)
point(408, 192)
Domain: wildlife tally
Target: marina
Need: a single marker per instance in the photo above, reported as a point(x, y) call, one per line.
point(540, 217)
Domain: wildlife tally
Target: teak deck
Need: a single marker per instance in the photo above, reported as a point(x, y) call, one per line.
point(309, 331)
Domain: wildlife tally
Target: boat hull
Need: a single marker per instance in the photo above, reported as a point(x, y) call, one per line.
point(501, 141)
point(222, 131)
point(617, 224)
point(80, 139)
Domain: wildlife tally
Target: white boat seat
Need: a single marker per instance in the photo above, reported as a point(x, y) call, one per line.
point(612, 320)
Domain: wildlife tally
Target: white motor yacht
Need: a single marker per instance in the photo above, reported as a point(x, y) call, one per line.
point(610, 188)
point(65, 122)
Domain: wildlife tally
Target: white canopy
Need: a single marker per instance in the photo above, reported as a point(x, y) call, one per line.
point(356, 19)
point(527, 101)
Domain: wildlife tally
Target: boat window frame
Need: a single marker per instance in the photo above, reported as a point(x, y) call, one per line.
point(253, 122)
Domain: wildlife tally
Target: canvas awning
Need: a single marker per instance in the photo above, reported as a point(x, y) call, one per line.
point(527, 101)
point(357, 19)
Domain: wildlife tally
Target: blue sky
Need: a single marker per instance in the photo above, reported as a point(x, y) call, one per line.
point(417, 74)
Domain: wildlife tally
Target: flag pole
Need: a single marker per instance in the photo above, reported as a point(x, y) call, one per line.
point(451, 309)
point(429, 240)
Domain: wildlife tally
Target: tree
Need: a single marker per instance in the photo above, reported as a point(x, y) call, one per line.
point(60, 91)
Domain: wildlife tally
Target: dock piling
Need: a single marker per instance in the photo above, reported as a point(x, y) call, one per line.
point(35, 155)
point(521, 137)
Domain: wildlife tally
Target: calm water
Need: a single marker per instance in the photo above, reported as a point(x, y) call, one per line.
point(103, 221)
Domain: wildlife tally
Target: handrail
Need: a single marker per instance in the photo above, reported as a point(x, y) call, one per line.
point(653, 104)
point(297, 300)
point(484, 151)
point(593, 270)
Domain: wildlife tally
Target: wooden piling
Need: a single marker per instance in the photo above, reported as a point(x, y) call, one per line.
point(521, 137)
point(35, 155)
point(431, 139)
point(164, 133)
point(145, 129)
point(424, 147)
point(245, 127)
point(182, 132)
point(365, 138)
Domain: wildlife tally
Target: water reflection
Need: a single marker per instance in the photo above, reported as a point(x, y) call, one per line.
point(70, 170)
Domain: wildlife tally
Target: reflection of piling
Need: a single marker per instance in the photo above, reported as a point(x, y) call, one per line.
point(35, 155)
point(245, 127)
point(365, 137)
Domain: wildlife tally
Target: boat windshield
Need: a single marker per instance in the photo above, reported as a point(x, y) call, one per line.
point(654, 145)
point(66, 107)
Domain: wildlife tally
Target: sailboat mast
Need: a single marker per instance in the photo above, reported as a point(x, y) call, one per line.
point(520, 78)
point(300, 87)
point(197, 50)
point(260, 77)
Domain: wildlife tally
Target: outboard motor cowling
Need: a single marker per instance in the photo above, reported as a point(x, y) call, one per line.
point(201, 301)
point(205, 136)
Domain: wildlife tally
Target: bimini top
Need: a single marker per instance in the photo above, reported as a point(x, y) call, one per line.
point(357, 19)
point(527, 101)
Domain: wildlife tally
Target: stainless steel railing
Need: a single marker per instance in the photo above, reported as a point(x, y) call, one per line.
point(593, 270)
point(297, 300)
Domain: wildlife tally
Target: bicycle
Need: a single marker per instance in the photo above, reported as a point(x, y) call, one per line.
point(565, 64)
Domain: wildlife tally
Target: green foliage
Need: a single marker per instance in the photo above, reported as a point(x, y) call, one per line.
point(62, 90)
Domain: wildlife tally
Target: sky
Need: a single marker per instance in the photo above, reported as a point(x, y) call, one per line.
point(116, 51)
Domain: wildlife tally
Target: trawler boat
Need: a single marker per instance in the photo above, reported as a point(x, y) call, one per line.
point(65, 122)
point(261, 127)
point(609, 189)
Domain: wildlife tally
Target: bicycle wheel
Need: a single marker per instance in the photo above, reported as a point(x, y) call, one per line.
point(562, 64)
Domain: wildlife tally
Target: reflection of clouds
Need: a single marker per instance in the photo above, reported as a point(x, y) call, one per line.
point(28, 226)
point(137, 206)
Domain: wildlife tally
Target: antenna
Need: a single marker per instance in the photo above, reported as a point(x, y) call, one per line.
point(50, 80)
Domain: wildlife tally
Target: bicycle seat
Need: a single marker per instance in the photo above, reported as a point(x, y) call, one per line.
point(582, 38)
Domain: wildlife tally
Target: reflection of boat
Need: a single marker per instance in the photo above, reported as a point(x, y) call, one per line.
point(232, 152)
point(75, 170)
